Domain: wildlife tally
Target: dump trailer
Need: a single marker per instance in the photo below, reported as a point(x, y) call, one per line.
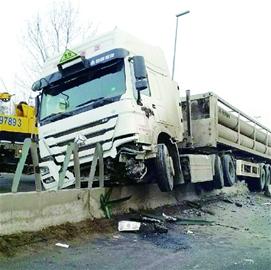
point(117, 91)
point(17, 122)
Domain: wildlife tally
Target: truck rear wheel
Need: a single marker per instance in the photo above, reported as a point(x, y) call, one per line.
point(219, 176)
point(164, 169)
point(258, 184)
point(268, 175)
point(229, 170)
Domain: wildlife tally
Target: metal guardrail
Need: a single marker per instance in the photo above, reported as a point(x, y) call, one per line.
point(72, 149)
point(31, 146)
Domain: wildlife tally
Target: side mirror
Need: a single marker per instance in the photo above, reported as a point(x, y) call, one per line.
point(139, 67)
point(140, 73)
point(36, 86)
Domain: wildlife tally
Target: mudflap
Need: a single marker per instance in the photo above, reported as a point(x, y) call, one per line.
point(178, 177)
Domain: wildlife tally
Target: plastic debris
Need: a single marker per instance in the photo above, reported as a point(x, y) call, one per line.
point(62, 245)
point(267, 203)
point(249, 261)
point(169, 218)
point(151, 219)
point(128, 226)
point(189, 232)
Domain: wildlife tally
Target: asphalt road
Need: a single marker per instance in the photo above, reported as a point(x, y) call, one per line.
point(239, 239)
point(27, 182)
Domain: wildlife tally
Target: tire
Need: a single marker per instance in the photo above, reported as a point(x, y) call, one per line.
point(218, 176)
point(164, 169)
point(267, 175)
point(258, 184)
point(229, 170)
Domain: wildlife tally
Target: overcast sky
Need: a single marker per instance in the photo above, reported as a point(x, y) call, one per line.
point(223, 46)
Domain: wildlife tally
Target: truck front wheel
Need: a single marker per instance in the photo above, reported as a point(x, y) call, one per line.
point(164, 169)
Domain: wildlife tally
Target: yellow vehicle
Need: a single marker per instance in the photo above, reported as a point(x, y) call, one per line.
point(17, 122)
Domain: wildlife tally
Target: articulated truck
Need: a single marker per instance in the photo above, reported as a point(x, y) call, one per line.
point(117, 91)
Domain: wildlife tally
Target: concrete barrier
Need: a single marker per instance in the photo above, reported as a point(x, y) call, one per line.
point(33, 211)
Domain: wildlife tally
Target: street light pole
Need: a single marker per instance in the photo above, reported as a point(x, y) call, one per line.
point(175, 43)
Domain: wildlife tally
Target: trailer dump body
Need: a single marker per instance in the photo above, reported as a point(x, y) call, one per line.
point(217, 125)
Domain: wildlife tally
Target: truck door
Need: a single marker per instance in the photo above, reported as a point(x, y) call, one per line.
point(149, 108)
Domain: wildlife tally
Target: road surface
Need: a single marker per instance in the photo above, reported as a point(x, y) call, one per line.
point(240, 238)
point(27, 182)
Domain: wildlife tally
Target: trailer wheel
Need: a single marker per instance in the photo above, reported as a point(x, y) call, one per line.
point(258, 184)
point(219, 176)
point(229, 170)
point(268, 175)
point(164, 168)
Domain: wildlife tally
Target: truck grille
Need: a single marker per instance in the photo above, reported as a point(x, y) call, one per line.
point(101, 131)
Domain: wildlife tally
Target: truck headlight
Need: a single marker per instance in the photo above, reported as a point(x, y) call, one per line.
point(44, 170)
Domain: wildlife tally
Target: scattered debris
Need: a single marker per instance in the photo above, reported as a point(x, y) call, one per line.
point(128, 226)
point(227, 200)
point(159, 228)
point(151, 219)
point(238, 204)
point(147, 223)
point(62, 245)
point(207, 211)
point(267, 203)
point(186, 221)
point(227, 226)
point(197, 205)
point(249, 261)
point(169, 218)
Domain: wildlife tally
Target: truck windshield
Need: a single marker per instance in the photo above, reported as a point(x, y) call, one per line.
point(99, 85)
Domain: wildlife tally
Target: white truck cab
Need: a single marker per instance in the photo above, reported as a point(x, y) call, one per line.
point(114, 90)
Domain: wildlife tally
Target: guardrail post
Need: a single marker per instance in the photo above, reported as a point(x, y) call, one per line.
point(98, 154)
point(76, 166)
point(72, 148)
point(20, 166)
point(35, 160)
point(64, 168)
